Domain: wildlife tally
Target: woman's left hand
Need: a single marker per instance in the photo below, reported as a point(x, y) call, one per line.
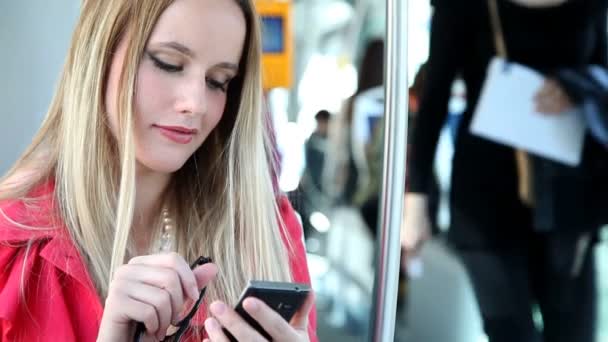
point(551, 98)
point(271, 321)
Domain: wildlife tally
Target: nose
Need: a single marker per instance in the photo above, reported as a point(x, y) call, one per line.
point(191, 99)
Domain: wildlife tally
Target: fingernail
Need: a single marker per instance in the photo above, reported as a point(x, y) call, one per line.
point(218, 308)
point(251, 304)
point(212, 325)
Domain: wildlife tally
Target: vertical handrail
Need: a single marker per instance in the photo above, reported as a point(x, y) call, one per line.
point(393, 185)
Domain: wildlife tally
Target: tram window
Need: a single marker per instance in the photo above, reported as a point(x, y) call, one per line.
point(272, 30)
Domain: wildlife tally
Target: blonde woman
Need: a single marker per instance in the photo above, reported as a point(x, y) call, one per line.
point(153, 153)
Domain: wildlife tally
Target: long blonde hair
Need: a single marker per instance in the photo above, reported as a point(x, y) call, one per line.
point(223, 196)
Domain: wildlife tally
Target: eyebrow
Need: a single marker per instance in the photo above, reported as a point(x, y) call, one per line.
point(188, 52)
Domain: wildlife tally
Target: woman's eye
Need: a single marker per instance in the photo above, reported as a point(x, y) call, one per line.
point(165, 66)
point(216, 85)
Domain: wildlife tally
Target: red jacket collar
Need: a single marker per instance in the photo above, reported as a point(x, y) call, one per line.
point(38, 220)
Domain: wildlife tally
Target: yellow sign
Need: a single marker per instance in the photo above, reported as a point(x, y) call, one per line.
point(277, 42)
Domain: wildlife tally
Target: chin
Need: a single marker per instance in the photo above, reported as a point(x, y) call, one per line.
point(164, 165)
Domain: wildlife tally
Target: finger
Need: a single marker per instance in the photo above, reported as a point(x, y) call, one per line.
point(137, 311)
point(555, 90)
point(412, 253)
point(414, 240)
point(412, 249)
point(409, 235)
point(547, 105)
point(545, 95)
point(540, 94)
point(159, 299)
point(146, 337)
point(214, 330)
point(204, 274)
point(552, 107)
point(270, 320)
point(234, 323)
point(553, 97)
point(541, 107)
point(550, 92)
point(300, 319)
point(565, 103)
point(175, 262)
point(162, 278)
point(557, 100)
point(544, 90)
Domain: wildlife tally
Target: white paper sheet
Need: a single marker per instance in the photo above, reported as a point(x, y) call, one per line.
point(505, 114)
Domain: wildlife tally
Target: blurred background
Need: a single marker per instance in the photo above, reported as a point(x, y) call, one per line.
point(324, 95)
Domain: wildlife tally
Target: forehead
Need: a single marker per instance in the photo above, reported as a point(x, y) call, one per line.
point(213, 29)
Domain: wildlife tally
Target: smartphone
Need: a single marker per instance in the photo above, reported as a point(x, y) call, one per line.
point(284, 298)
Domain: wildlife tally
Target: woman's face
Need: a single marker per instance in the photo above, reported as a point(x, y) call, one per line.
point(191, 56)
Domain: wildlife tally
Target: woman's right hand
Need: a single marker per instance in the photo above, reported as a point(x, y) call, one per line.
point(415, 224)
point(151, 289)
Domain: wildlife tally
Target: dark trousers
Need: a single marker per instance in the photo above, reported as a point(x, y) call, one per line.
point(508, 283)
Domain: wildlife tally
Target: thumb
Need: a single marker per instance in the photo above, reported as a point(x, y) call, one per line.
point(300, 319)
point(205, 274)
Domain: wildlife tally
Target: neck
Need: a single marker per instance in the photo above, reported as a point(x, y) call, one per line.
point(151, 189)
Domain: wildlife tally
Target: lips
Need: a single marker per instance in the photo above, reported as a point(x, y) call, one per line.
point(178, 134)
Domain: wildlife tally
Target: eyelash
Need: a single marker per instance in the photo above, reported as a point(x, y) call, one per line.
point(165, 66)
point(170, 68)
point(213, 84)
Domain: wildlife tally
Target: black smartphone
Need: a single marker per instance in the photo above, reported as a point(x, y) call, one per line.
point(284, 298)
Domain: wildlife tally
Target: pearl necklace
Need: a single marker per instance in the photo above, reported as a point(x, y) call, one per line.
point(165, 244)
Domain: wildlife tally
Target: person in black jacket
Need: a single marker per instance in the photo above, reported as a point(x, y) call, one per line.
point(516, 254)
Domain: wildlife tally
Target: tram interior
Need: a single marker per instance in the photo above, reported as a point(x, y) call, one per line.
point(437, 301)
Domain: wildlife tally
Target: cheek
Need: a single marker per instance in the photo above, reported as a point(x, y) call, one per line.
point(217, 107)
point(217, 104)
point(152, 95)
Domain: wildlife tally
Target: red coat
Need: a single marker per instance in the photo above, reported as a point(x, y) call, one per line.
point(61, 303)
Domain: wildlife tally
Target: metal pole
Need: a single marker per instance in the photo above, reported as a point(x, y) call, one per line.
point(393, 186)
